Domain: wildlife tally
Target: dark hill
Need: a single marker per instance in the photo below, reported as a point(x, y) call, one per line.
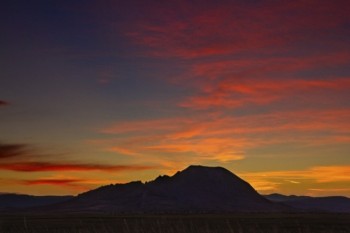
point(195, 189)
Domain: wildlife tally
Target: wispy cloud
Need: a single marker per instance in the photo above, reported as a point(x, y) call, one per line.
point(59, 181)
point(23, 158)
point(59, 166)
point(188, 30)
point(74, 184)
point(56, 182)
point(326, 179)
point(225, 137)
point(321, 174)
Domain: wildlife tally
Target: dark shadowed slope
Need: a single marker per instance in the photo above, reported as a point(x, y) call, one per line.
point(195, 189)
point(334, 204)
point(8, 201)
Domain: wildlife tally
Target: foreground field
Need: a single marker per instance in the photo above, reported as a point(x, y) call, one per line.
point(252, 223)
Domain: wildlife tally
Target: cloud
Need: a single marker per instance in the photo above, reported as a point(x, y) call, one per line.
point(224, 138)
point(257, 74)
point(321, 176)
point(233, 93)
point(240, 54)
point(72, 182)
point(23, 158)
point(68, 183)
point(49, 166)
point(263, 81)
point(59, 182)
point(190, 30)
point(3, 103)
point(244, 55)
point(75, 184)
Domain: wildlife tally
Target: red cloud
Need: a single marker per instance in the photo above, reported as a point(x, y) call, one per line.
point(73, 184)
point(63, 182)
point(190, 30)
point(47, 166)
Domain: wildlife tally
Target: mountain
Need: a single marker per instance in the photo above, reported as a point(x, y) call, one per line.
point(336, 204)
point(196, 189)
point(11, 200)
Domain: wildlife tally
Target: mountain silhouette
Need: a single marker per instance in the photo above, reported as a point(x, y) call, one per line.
point(196, 189)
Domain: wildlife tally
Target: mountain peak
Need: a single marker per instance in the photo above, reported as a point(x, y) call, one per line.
point(199, 173)
point(203, 168)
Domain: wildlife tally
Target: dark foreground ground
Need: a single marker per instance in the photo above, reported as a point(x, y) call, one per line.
point(230, 223)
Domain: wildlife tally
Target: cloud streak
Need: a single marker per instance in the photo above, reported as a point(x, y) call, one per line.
point(226, 138)
point(188, 30)
point(322, 179)
point(56, 182)
point(234, 93)
point(48, 166)
point(20, 158)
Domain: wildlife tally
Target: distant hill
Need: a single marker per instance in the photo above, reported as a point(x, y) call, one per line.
point(10, 201)
point(336, 204)
point(196, 189)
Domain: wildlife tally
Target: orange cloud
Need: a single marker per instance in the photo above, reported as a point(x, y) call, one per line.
point(320, 174)
point(318, 180)
point(225, 138)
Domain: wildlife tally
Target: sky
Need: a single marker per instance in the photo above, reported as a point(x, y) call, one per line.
point(101, 92)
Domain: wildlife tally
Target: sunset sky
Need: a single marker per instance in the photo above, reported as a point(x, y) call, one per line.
point(100, 92)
